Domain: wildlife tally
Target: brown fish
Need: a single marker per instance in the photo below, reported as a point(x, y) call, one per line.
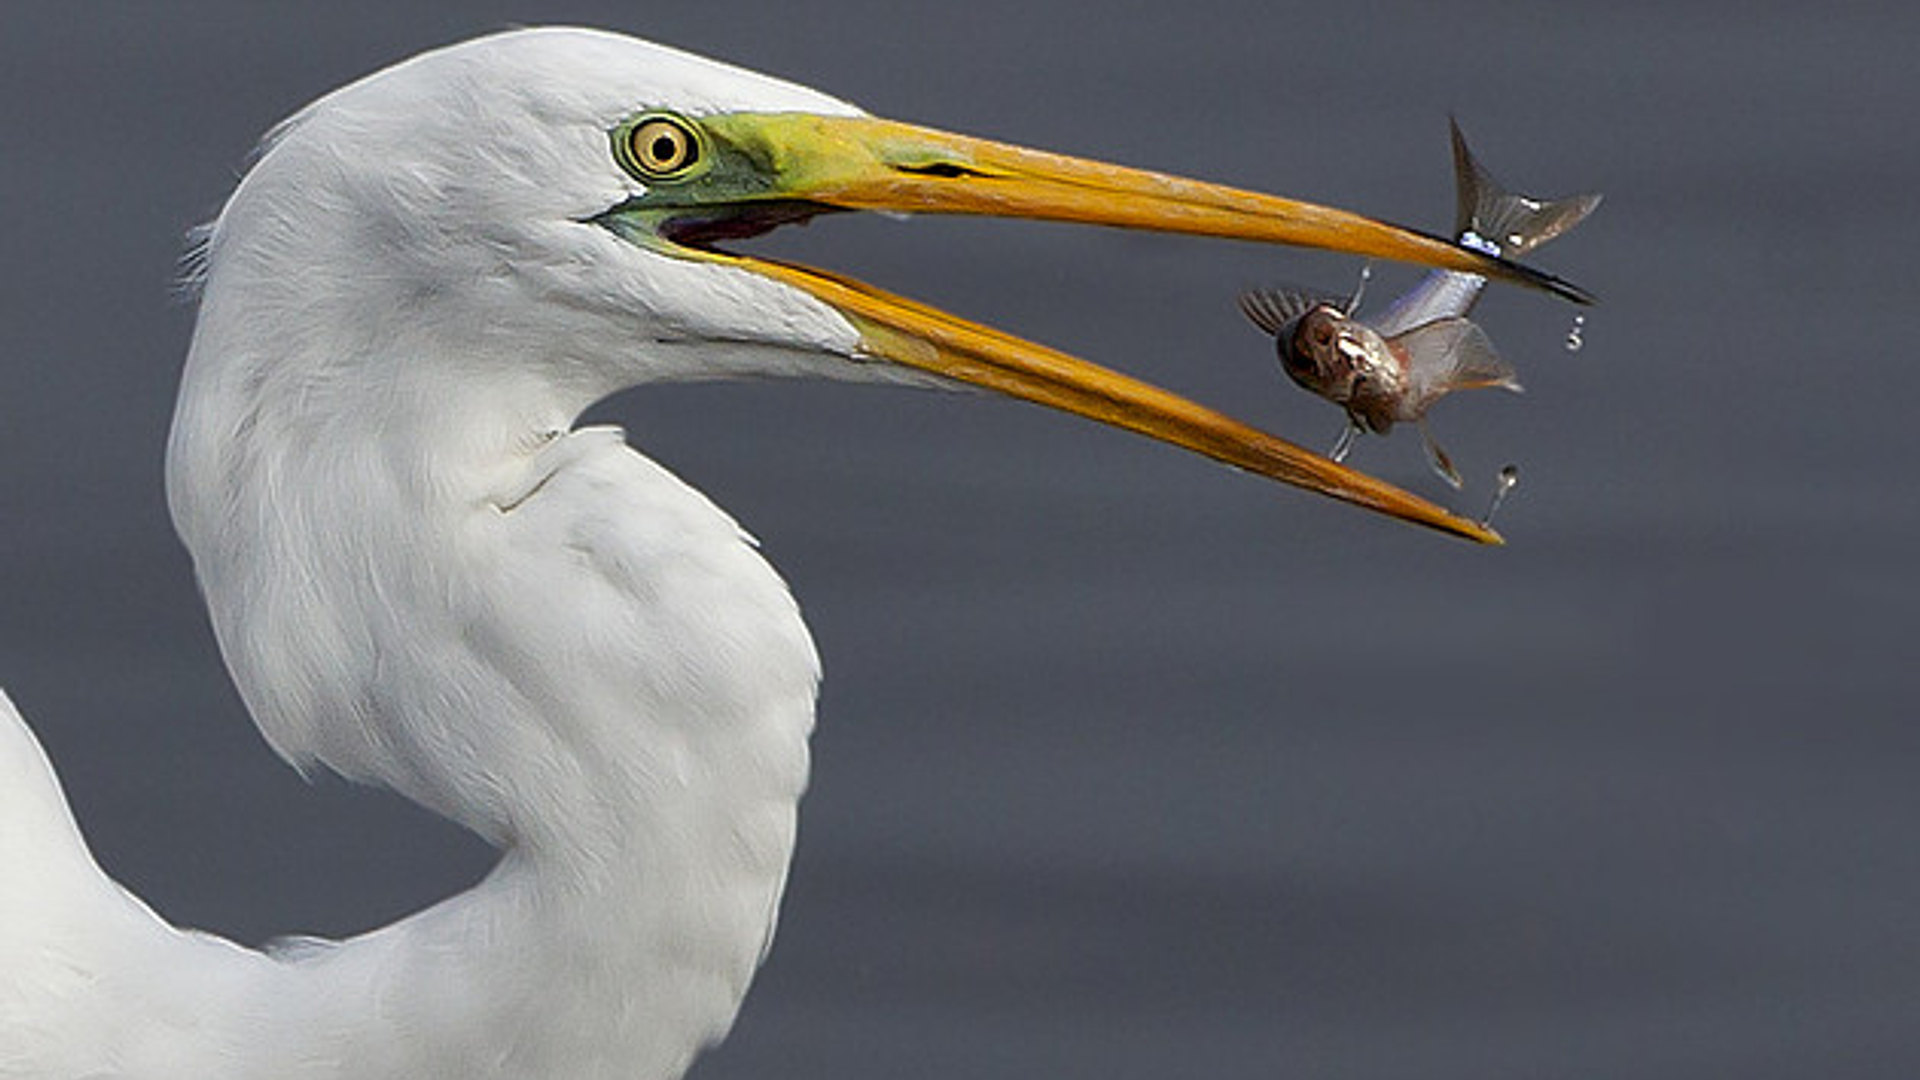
point(1393, 368)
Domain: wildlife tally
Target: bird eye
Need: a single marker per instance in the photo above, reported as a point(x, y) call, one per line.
point(657, 147)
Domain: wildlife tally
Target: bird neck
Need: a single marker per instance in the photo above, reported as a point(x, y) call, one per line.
point(624, 960)
point(432, 585)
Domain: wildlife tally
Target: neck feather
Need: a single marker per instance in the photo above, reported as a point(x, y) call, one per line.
point(541, 634)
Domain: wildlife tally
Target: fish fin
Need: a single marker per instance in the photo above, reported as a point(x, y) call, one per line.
point(1436, 457)
point(1272, 309)
point(1345, 443)
point(1451, 354)
point(1359, 288)
point(1506, 222)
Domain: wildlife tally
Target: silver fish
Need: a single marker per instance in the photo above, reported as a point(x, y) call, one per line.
point(1391, 369)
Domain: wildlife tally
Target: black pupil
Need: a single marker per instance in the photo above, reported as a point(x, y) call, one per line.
point(660, 147)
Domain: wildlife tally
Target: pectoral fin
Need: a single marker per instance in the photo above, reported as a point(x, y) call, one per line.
point(1451, 354)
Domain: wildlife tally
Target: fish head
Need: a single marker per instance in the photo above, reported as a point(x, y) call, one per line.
point(1323, 348)
point(1328, 352)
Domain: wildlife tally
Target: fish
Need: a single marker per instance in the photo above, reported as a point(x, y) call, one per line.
point(1392, 368)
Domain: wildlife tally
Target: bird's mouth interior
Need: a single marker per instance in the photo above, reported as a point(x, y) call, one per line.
point(703, 228)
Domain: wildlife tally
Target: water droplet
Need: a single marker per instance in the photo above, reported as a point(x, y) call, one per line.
point(1509, 476)
point(1573, 334)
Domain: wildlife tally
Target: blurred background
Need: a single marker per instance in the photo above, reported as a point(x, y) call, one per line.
point(1128, 765)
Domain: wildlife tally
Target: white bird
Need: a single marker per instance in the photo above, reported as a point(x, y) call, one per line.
point(423, 576)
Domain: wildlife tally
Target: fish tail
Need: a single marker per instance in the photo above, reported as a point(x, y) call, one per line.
point(1502, 222)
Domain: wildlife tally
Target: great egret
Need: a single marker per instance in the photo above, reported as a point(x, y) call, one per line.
point(422, 576)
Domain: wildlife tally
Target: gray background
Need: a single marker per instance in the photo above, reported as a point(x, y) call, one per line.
point(1131, 766)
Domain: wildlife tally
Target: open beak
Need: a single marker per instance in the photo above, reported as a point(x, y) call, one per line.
point(864, 163)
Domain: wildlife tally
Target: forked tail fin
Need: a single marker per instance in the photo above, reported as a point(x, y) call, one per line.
point(1503, 222)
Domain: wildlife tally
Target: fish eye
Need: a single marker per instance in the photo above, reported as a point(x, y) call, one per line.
point(1320, 327)
point(1294, 357)
point(1299, 341)
point(1315, 332)
point(657, 146)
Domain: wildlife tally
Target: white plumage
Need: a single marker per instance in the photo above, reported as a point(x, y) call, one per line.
point(422, 576)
